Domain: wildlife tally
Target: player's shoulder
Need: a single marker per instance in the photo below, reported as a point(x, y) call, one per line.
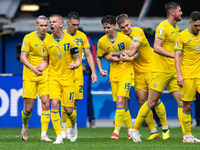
point(120, 34)
point(137, 29)
point(47, 34)
point(68, 36)
point(104, 37)
point(163, 24)
point(80, 33)
point(31, 34)
point(184, 32)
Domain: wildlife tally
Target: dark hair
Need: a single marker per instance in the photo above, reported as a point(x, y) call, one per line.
point(195, 15)
point(108, 19)
point(171, 5)
point(73, 15)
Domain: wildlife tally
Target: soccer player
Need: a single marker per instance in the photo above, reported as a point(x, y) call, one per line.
point(142, 68)
point(121, 73)
point(62, 56)
point(35, 81)
point(187, 60)
point(83, 44)
point(163, 71)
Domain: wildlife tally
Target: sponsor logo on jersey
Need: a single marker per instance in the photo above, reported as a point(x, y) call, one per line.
point(138, 37)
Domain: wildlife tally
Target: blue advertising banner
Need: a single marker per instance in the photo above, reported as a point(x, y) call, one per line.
point(11, 105)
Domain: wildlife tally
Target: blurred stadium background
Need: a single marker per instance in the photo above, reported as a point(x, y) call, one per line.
point(15, 23)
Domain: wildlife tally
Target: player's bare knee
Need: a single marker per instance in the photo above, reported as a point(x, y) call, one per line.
point(187, 107)
point(141, 102)
point(45, 105)
point(54, 104)
point(28, 109)
point(152, 103)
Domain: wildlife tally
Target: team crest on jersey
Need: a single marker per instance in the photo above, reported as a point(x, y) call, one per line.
point(42, 52)
point(24, 44)
point(197, 47)
point(176, 44)
point(155, 84)
point(59, 54)
point(181, 95)
point(161, 31)
point(196, 39)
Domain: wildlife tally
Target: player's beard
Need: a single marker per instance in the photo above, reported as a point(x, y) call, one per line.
point(178, 18)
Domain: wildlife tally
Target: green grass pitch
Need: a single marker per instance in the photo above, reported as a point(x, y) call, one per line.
point(96, 139)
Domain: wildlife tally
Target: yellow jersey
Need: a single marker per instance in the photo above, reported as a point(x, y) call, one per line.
point(189, 44)
point(144, 62)
point(33, 45)
point(121, 70)
point(60, 57)
point(82, 43)
point(168, 33)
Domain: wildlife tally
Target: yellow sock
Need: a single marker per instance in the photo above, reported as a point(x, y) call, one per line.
point(25, 118)
point(144, 110)
point(45, 119)
point(180, 110)
point(149, 120)
point(68, 122)
point(63, 115)
point(186, 117)
point(72, 118)
point(119, 116)
point(161, 112)
point(127, 120)
point(55, 118)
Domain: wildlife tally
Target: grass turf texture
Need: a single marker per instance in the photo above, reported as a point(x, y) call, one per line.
point(96, 139)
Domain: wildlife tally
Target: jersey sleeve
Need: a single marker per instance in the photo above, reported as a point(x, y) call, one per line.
point(178, 43)
point(26, 44)
point(45, 49)
point(139, 35)
point(161, 32)
point(100, 50)
point(127, 41)
point(73, 47)
point(85, 42)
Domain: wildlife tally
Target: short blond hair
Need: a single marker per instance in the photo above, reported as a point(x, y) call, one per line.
point(59, 16)
point(121, 18)
point(41, 17)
